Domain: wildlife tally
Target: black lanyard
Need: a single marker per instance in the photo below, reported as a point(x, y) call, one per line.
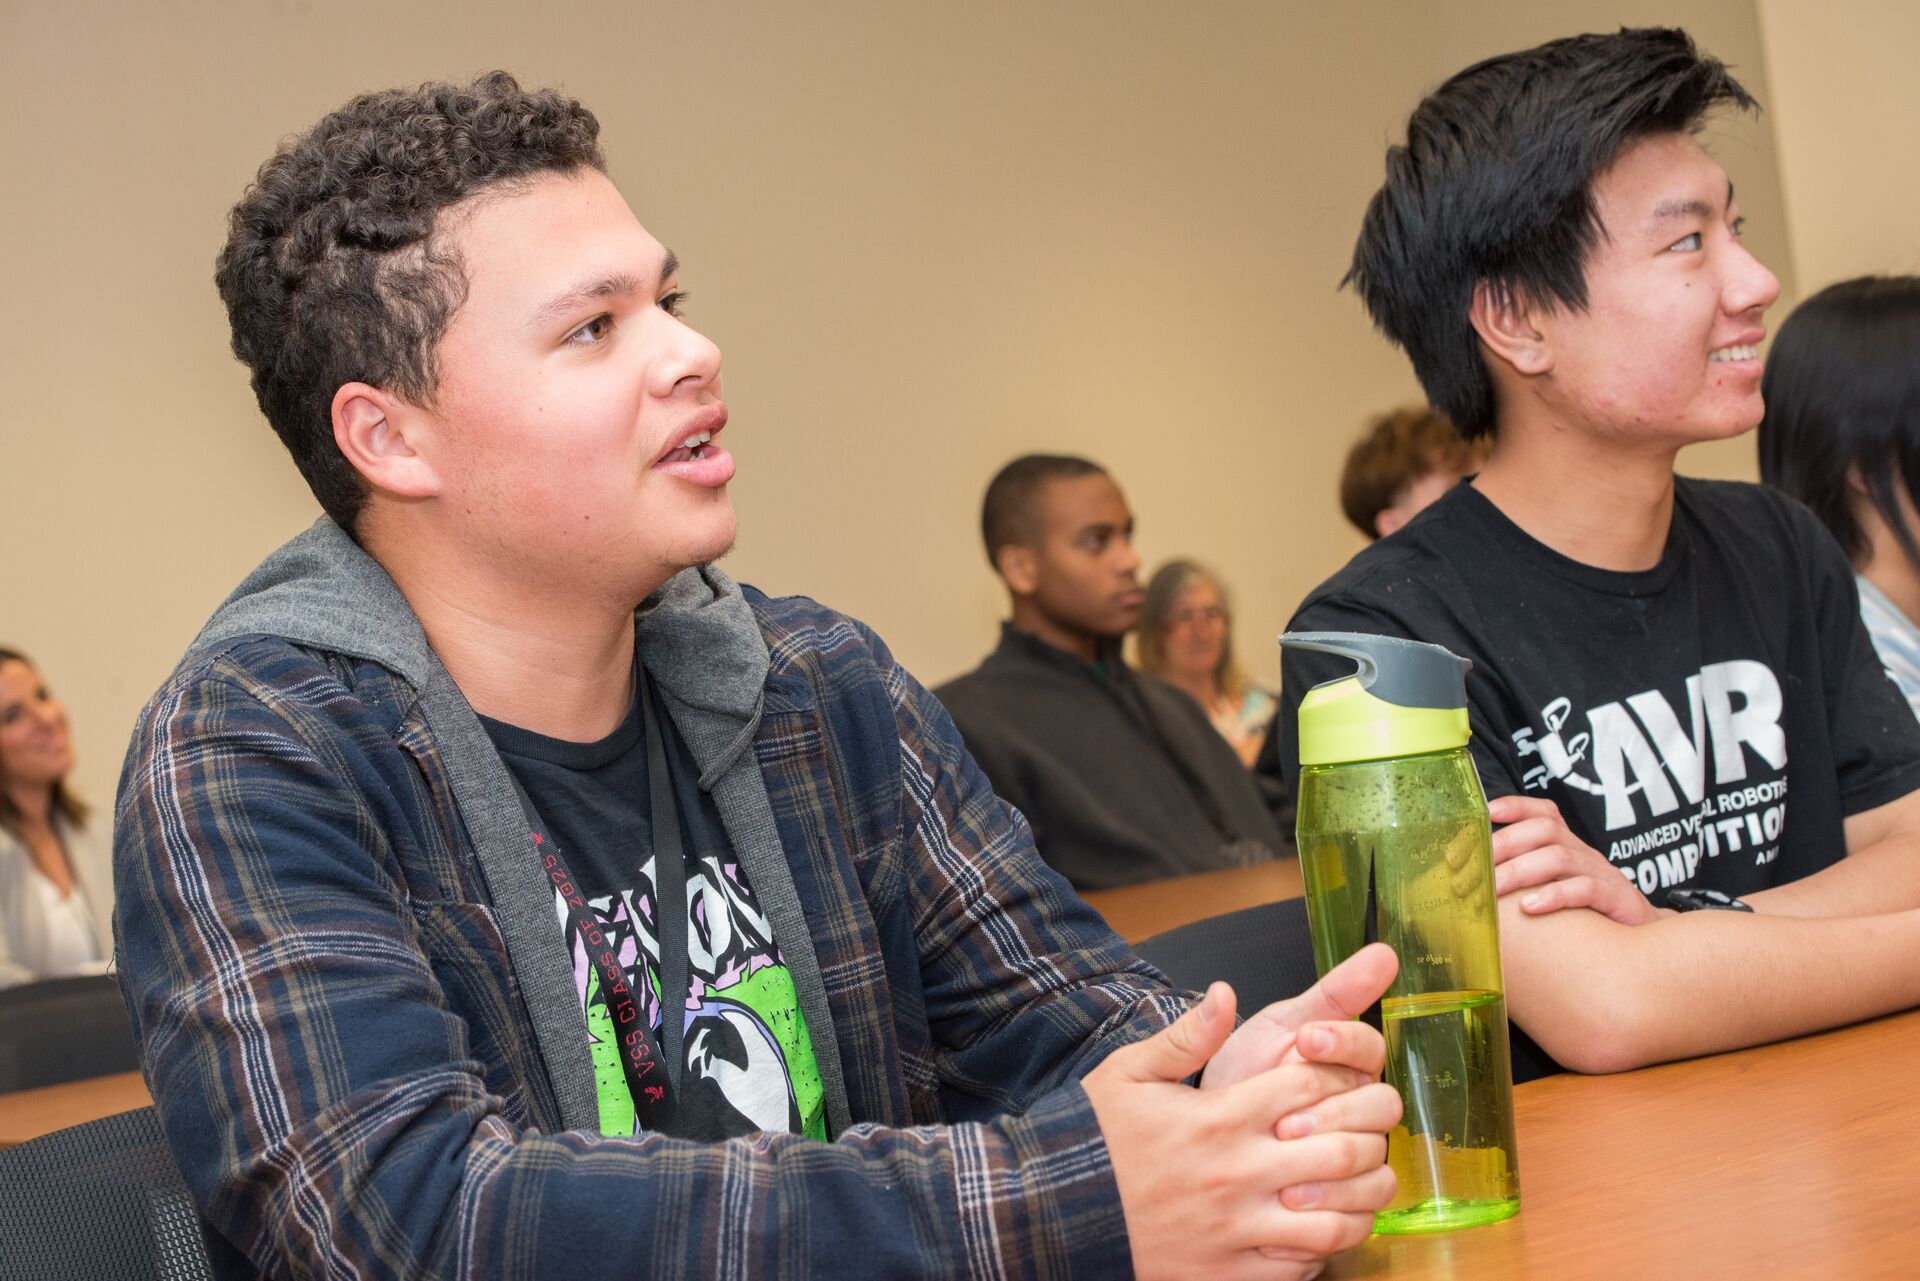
point(650, 1061)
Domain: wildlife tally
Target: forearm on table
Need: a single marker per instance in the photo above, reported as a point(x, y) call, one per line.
point(1883, 877)
point(453, 1190)
point(1603, 997)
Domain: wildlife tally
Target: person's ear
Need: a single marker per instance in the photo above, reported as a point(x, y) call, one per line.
point(1020, 567)
point(380, 435)
point(1509, 329)
point(1388, 519)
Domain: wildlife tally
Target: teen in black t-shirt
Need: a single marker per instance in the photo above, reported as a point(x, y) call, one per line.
point(747, 1060)
point(1726, 755)
point(1671, 686)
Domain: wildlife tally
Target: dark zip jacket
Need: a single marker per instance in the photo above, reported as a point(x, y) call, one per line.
point(1120, 774)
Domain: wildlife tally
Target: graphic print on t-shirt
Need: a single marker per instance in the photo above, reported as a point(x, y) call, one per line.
point(1671, 795)
point(749, 1063)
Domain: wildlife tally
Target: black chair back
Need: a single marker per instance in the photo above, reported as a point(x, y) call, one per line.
point(1265, 952)
point(98, 1202)
point(55, 1030)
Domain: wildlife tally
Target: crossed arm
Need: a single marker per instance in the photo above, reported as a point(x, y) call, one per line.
point(1604, 981)
point(1881, 872)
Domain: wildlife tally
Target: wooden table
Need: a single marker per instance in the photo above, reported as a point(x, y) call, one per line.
point(1791, 1160)
point(1140, 911)
point(29, 1114)
point(1800, 1159)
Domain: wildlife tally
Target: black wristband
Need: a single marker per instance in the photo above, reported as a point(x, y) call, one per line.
point(1705, 900)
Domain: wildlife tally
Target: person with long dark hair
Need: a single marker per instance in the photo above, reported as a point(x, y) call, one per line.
point(1842, 434)
point(46, 921)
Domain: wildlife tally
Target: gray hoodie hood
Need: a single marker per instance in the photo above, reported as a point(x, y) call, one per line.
point(697, 636)
point(702, 647)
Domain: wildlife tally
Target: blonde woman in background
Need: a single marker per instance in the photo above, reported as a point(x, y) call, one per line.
point(1186, 639)
point(46, 923)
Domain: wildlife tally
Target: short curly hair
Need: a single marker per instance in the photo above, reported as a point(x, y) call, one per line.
point(1397, 449)
point(332, 272)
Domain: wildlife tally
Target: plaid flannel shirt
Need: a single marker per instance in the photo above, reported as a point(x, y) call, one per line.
point(345, 1067)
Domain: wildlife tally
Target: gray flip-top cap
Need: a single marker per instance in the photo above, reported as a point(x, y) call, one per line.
point(1403, 672)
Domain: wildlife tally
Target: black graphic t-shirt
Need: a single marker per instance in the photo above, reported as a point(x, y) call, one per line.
point(747, 1059)
point(1710, 722)
point(1707, 722)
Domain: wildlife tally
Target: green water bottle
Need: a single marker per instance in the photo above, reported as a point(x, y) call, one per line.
point(1394, 845)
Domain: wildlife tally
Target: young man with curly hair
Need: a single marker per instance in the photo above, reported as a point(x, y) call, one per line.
point(1674, 705)
point(503, 891)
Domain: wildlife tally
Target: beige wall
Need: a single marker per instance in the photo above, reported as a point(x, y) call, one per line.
point(1846, 120)
point(927, 237)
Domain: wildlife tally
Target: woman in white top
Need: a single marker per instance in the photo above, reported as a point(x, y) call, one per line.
point(1186, 639)
point(46, 924)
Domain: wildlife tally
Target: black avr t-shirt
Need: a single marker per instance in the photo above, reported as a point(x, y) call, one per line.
point(1707, 722)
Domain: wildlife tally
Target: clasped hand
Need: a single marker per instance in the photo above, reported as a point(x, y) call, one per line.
point(1278, 1160)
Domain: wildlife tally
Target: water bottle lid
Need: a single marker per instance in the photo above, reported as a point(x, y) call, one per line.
point(1405, 698)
